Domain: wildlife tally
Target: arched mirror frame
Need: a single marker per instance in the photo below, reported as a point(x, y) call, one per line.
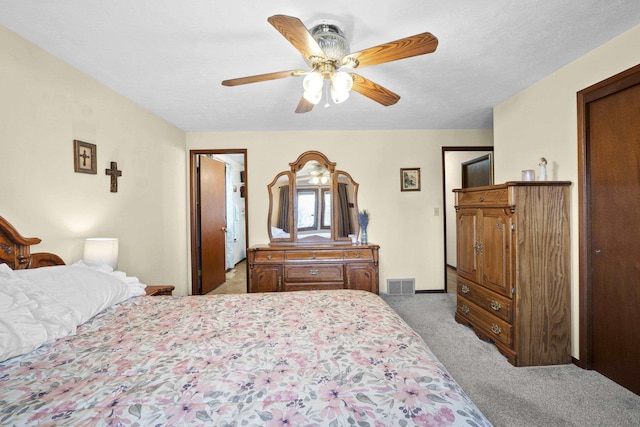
point(292, 237)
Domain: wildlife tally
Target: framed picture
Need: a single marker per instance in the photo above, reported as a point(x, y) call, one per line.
point(84, 157)
point(410, 179)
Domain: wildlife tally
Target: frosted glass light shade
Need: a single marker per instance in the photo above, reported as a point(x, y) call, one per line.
point(312, 85)
point(342, 81)
point(98, 251)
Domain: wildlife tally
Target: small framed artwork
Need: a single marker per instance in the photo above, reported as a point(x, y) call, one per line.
point(410, 179)
point(84, 157)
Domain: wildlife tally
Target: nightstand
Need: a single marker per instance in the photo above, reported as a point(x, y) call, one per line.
point(156, 290)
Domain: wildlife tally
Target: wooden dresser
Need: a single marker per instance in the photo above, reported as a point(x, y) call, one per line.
point(513, 265)
point(295, 268)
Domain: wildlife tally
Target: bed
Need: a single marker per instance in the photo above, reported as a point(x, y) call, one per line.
point(335, 358)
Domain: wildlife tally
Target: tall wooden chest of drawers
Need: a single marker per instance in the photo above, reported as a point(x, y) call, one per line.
point(513, 265)
point(294, 268)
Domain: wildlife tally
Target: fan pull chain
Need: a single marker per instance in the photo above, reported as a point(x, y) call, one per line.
point(327, 89)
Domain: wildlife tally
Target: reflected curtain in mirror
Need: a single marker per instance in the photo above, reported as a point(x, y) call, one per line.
point(283, 211)
point(345, 225)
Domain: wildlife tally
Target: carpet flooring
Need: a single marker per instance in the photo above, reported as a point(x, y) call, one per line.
point(235, 282)
point(563, 395)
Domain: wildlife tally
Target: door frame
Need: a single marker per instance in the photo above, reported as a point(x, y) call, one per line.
point(193, 208)
point(444, 194)
point(616, 83)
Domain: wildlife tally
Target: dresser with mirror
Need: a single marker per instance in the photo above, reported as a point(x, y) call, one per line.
point(313, 229)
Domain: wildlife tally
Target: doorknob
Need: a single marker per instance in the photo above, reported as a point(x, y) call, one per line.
point(224, 229)
point(597, 251)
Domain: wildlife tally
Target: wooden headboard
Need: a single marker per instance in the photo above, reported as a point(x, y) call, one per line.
point(15, 250)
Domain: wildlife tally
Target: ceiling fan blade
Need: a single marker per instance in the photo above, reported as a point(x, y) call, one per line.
point(374, 91)
point(420, 44)
point(304, 106)
point(263, 77)
point(297, 34)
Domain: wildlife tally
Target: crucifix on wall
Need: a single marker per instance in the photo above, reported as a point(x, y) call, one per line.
point(114, 173)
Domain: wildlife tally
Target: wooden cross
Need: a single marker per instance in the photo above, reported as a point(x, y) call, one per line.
point(84, 157)
point(114, 173)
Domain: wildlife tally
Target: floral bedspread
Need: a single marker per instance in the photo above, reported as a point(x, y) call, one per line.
point(330, 358)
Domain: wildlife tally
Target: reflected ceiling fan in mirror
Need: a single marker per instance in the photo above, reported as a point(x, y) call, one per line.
point(326, 50)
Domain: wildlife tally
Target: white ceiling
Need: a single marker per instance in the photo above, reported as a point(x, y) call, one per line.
point(170, 56)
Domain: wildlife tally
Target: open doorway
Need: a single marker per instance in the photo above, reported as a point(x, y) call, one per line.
point(459, 164)
point(218, 216)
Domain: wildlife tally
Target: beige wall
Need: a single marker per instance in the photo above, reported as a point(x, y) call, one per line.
point(410, 235)
point(541, 121)
point(45, 104)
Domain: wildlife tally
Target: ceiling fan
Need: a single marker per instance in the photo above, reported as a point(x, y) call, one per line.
point(325, 49)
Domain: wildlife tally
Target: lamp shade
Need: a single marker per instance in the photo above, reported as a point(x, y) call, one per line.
point(98, 251)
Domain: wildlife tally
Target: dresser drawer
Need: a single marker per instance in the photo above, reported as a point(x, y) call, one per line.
point(311, 286)
point(490, 325)
point(358, 255)
point(483, 197)
point(494, 303)
point(311, 255)
point(268, 256)
point(314, 273)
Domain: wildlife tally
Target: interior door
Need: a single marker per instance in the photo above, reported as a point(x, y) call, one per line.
point(212, 214)
point(614, 199)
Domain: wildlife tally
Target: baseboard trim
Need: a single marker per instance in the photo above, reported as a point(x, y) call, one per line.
point(431, 291)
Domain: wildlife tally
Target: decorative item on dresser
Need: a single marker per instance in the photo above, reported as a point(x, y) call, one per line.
point(159, 290)
point(513, 265)
point(313, 214)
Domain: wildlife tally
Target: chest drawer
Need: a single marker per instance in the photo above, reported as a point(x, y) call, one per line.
point(314, 273)
point(494, 303)
point(492, 326)
point(358, 255)
point(269, 256)
point(311, 255)
point(483, 197)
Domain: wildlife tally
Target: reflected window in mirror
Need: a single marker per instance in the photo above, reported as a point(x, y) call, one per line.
point(307, 209)
point(326, 209)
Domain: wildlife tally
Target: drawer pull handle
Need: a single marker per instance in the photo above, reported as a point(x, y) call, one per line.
point(358, 255)
point(482, 198)
point(496, 329)
point(313, 272)
point(495, 305)
point(268, 257)
point(464, 309)
point(313, 256)
point(464, 289)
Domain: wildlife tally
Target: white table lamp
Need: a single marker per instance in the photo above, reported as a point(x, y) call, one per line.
point(98, 251)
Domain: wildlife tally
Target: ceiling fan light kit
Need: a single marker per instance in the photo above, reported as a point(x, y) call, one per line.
point(326, 50)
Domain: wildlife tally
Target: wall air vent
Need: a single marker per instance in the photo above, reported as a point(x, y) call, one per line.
point(401, 286)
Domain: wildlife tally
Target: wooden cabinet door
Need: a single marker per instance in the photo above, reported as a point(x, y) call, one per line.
point(266, 278)
point(495, 232)
point(362, 277)
point(467, 241)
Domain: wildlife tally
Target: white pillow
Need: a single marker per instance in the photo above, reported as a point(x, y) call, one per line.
point(86, 292)
point(28, 316)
